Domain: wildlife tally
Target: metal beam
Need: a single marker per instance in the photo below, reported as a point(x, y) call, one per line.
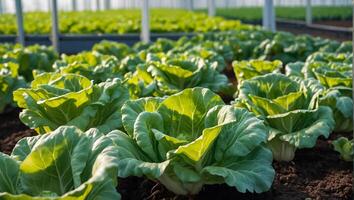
point(55, 25)
point(145, 22)
point(211, 8)
point(268, 15)
point(308, 12)
point(19, 17)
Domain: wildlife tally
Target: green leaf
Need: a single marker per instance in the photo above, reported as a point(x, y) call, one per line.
point(55, 99)
point(345, 147)
point(179, 139)
point(54, 165)
point(245, 70)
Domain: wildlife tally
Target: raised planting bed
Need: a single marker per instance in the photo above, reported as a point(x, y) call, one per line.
point(315, 173)
point(320, 29)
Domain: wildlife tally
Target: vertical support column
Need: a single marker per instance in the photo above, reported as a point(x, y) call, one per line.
point(211, 8)
point(145, 22)
point(308, 12)
point(107, 4)
point(1, 7)
point(97, 5)
point(55, 26)
point(190, 5)
point(19, 17)
point(268, 15)
point(73, 5)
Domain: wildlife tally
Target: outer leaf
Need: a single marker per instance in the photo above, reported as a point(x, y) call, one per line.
point(345, 147)
point(54, 166)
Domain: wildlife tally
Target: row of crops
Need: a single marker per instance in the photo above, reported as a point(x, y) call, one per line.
point(119, 22)
point(215, 108)
point(293, 13)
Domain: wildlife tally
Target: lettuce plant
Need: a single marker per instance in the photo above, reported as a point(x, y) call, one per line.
point(108, 67)
point(9, 82)
point(174, 75)
point(118, 50)
point(141, 83)
point(36, 57)
point(191, 139)
point(55, 99)
point(345, 147)
point(65, 164)
point(337, 79)
point(290, 110)
point(247, 69)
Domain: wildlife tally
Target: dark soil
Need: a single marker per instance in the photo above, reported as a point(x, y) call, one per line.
point(339, 23)
point(315, 173)
point(12, 130)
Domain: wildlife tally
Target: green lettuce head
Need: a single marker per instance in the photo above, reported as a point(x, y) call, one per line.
point(175, 75)
point(65, 164)
point(191, 139)
point(248, 69)
point(55, 99)
point(290, 110)
point(337, 79)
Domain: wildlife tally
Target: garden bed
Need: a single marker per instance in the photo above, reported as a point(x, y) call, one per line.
point(315, 173)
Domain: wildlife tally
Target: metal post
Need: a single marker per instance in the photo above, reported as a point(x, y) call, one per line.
point(97, 5)
point(211, 8)
point(55, 26)
point(268, 15)
point(20, 29)
point(107, 4)
point(73, 5)
point(145, 22)
point(190, 4)
point(308, 12)
point(1, 7)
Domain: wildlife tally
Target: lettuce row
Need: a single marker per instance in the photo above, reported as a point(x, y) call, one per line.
point(191, 139)
point(290, 110)
point(54, 166)
point(55, 99)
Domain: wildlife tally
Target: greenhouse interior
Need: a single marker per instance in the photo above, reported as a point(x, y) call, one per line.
point(176, 99)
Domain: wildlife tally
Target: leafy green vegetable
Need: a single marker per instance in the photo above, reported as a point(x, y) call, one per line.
point(123, 21)
point(289, 108)
point(55, 99)
point(118, 50)
point(9, 82)
point(94, 66)
point(65, 164)
point(173, 76)
point(248, 69)
point(191, 139)
point(36, 57)
point(345, 147)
